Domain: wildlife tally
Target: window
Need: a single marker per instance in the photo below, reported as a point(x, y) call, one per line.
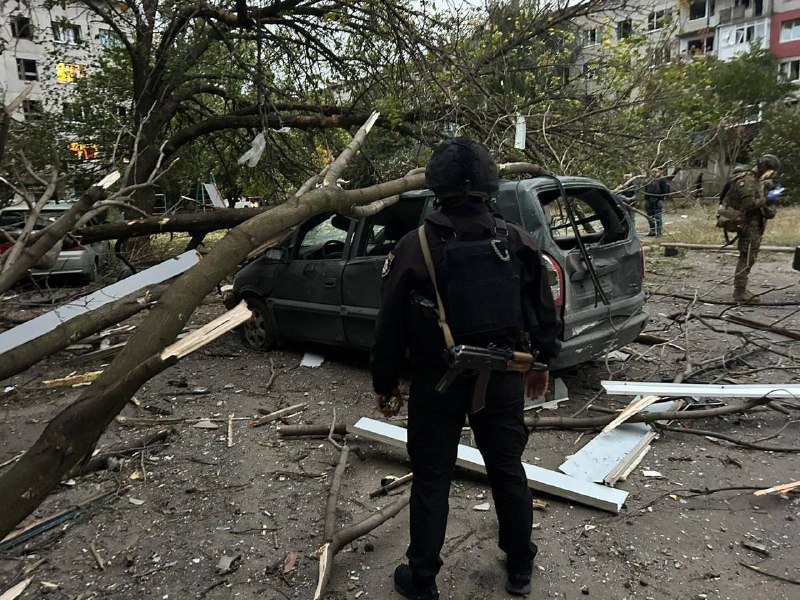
point(701, 46)
point(758, 8)
point(108, 39)
point(26, 69)
point(590, 37)
point(743, 35)
point(624, 29)
point(383, 230)
point(697, 9)
point(73, 112)
point(790, 70)
point(325, 240)
point(660, 55)
point(21, 27)
point(588, 71)
point(790, 30)
point(67, 33)
point(32, 109)
point(658, 19)
point(68, 73)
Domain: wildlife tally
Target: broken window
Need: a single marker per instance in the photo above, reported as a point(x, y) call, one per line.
point(383, 230)
point(701, 46)
point(598, 217)
point(26, 69)
point(325, 239)
point(21, 27)
point(697, 9)
point(66, 33)
point(108, 39)
point(624, 29)
point(790, 70)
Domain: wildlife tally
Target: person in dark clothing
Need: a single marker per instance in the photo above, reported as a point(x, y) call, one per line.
point(654, 193)
point(494, 290)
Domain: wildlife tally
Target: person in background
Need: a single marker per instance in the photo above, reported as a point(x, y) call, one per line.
point(655, 191)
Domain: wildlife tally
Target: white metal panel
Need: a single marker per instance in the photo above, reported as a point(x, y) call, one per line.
point(702, 390)
point(42, 324)
point(542, 480)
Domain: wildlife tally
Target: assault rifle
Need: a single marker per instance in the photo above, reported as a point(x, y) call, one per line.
point(484, 361)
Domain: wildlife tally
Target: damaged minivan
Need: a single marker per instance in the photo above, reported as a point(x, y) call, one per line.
point(323, 285)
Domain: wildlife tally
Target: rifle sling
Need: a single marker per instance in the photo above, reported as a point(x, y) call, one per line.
point(426, 253)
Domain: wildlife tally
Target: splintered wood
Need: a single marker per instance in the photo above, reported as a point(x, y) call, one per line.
point(208, 332)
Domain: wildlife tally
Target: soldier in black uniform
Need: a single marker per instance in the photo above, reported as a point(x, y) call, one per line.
point(494, 288)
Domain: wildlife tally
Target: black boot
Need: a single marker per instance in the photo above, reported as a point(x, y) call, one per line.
point(519, 577)
point(406, 587)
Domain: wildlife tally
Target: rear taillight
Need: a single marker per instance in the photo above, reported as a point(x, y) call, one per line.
point(555, 277)
point(641, 254)
point(5, 246)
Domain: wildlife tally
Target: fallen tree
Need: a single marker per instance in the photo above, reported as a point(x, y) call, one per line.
point(194, 223)
point(72, 434)
point(28, 354)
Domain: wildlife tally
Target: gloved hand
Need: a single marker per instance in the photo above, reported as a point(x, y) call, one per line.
point(774, 194)
point(389, 404)
point(536, 383)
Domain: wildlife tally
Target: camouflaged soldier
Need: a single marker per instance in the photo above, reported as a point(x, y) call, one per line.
point(744, 210)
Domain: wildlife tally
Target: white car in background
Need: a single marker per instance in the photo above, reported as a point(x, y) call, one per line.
point(86, 261)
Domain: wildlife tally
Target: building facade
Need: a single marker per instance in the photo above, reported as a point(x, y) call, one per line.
point(48, 48)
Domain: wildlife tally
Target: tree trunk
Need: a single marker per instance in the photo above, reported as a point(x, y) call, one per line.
point(28, 354)
point(72, 434)
point(212, 220)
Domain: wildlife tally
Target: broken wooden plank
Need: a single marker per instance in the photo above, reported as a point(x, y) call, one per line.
point(275, 415)
point(97, 354)
point(208, 332)
point(703, 390)
point(72, 379)
point(16, 591)
point(44, 323)
point(634, 408)
point(539, 479)
point(779, 489)
point(607, 451)
point(740, 320)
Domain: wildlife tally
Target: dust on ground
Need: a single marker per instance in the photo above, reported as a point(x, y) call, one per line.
point(196, 500)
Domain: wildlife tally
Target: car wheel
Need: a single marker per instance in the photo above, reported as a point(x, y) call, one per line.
point(258, 332)
point(93, 274)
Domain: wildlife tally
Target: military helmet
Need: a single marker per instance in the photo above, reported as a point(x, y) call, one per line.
point(768, 162)
point(461, 167)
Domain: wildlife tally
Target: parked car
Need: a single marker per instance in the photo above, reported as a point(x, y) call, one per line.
point(323, 285)
point(84, 260)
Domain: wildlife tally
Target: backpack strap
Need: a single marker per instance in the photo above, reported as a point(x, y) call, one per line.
point(426, 253)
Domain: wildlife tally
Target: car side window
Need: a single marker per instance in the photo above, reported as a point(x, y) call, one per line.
point(384, 229)
point(325, 240)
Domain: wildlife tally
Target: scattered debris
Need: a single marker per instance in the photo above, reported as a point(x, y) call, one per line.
point(756, 547)
point(230, 430)
point(208, 332)
point(73, 379)
point(206, 424)
point(539, 479)
point(16, 591)
point(312, 360)
point(228, 564)
point(539, 504)
point(273, 416)
point(44, 323)
point(617, 356)
point(289, 562)
point(768, 574)
point(12, 460)
point(391, 484)
point(653, 474)
point(779, 489)
point(635, 407)
point(482, 507)
point(135, 501)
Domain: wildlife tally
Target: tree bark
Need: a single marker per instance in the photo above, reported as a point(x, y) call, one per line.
point(212, 220)
point(28, 354)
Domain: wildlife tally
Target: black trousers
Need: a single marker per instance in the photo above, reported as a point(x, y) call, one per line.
point(434, 431)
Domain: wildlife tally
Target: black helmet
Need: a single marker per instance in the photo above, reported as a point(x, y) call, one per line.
point(768, 162)
point(461, 167)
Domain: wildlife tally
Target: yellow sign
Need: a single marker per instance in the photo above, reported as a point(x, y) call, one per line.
point(68, 73)
point(83, 151)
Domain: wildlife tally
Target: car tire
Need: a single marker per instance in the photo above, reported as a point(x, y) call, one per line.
point(93, 274)
point(258, 332)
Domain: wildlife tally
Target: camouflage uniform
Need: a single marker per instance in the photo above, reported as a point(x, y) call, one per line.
point(748, 198)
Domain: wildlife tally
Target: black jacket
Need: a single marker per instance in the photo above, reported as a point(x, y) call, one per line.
point(405, 275)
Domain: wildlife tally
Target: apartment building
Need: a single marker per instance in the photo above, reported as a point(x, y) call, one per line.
point(49, 48)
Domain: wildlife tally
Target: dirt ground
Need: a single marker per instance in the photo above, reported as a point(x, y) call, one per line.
point(195, 500)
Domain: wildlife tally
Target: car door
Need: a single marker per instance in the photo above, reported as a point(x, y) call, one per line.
point(361, 291)
point(306, 297)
